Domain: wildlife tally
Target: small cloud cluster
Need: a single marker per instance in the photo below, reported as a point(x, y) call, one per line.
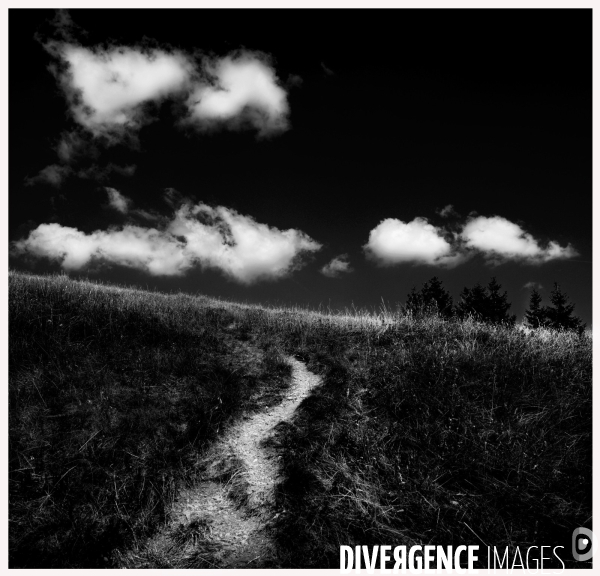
point(117, 201)
point(448, 211)
point(56, 174)
point(72, 145)
point(96, 172)
point(500, 240)
point(497, 239)
point(107, 89)
point(196, 235)
point(338, 266)
point(111, 90)
point(530, 285)
point(244, 90)
point(395, 242)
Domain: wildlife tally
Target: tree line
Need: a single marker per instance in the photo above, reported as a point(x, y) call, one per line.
point(489, 304)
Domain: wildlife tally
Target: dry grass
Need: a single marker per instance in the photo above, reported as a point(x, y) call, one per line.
point(424, 431)
point(114, 394)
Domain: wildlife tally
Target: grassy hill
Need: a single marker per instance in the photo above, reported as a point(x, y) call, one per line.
point(424, 430)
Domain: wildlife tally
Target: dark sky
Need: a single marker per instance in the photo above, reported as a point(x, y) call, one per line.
point(388, 115)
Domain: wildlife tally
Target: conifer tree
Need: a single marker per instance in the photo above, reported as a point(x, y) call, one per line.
point(414, 302)
point(431, 298)
point(560, 313)
point(498, 305)
point(535, 316)
point(486, 304)
point(472, 302)
point(434, 292)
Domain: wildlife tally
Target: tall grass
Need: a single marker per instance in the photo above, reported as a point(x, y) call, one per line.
point(113, 395)
point(433, 431)
point(424, 430)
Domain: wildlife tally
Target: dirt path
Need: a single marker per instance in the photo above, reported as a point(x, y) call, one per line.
point(207, 527)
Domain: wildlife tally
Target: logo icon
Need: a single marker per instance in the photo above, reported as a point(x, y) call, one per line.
point(584, 544)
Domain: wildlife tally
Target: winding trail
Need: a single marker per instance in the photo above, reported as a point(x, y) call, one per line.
point(207, 527)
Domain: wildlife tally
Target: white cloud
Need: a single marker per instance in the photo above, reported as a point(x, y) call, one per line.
point(447, 211)
point(117, 201)
point(55, 175)
point(243, 249)
point(70, 146)
point(532, 284)
point(238, 245)
point(497, 239)
point(96, 172)
point(394, 242)
point(107, 88)
point(500, 240)
point(337, 266)
point(245, 90)
point(144, 248)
